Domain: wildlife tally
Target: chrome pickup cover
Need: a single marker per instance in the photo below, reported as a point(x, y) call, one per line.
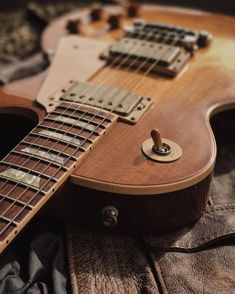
point(129, 106)
point(164, 54)
point(116, 100)
point(156, 48)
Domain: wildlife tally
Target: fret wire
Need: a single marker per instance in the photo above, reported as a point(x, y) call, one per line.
point(7, 197)
point(48, 149)
point(81, 104)
point(85, 120)
point(72, 126)
point(61, 140)
point(9, 221)
point(65, 132)
point(110, 112)
point(0, 232)
point(16, 216)
point(73, 116)
point(30, 171)
point(85, 91)
point(80, 111)
point(21, 184)
point(21, 154)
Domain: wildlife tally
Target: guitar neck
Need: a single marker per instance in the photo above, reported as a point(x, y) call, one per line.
point(32, 172)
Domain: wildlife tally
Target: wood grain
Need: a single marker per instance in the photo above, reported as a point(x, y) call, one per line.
point(171, 195)
point(182, 109)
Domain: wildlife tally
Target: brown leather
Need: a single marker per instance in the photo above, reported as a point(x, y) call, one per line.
point(197, 259)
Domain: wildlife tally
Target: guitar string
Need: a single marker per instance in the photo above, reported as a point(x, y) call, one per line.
point(90, 134)
point(48, 139)
point(31, 200)
point(115, 60)
point(112, 110)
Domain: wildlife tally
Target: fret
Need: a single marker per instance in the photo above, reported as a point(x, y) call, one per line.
point(12, 212)
point(19, 176)
point(19, 192)
point(47, 154)
point(81, 138)
point(30, 143)
point(25, 176)
point(72, 118)
point(14, 200)
point(27, 170)
point(9, 211)
point(90, 115)
point(5, 228)
point(11, 175)
point(71, 122)
point(101, 113)
point(52, 140)
point(82, 133)
point(35, 164)
point(62, 137)
point(81, 124)
point(58, 136)
point(34, 153)
point(6, 219)
point(98, 120)
point(40, 164)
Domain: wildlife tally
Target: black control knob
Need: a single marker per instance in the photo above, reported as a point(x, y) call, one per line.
point(73, 26)
point(133, 9)
point(109, 216)
point(96, 13)
point(204, 39)
point(114, 21)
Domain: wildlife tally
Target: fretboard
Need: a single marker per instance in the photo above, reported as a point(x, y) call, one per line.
point(32, 172)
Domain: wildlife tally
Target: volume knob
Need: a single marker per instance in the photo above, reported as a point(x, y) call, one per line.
point(73, 26)
point(96, 13)
point(204, 39)
point(114, 21)
point(133, 9)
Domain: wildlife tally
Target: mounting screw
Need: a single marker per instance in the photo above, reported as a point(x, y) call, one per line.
point(109, 216)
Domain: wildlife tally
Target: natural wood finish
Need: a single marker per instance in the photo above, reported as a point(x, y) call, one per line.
point(182, 109)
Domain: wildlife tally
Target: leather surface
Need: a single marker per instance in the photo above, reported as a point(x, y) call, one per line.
point(197, 259)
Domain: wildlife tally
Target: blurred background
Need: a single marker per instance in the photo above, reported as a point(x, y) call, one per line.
point(22, 21)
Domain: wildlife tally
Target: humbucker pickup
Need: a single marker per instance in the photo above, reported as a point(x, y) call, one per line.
point(128, 106)
point(160, 48)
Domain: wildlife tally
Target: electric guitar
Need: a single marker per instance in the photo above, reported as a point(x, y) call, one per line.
point(123, 136)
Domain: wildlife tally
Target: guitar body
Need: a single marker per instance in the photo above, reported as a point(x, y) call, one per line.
point(148, 196)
